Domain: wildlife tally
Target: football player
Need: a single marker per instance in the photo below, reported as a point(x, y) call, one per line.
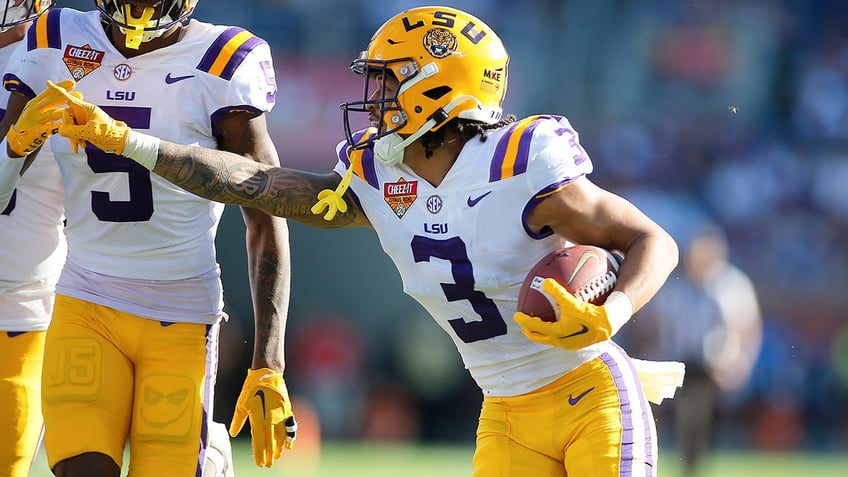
point(465, 201)
point(132, 349)
point(32, 250)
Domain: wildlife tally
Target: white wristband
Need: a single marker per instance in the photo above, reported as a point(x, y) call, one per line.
point(10, 172)
point(619, 310)
point(142, 148)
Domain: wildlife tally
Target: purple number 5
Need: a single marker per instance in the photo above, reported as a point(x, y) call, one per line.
point(139, 207)
point(491, 323)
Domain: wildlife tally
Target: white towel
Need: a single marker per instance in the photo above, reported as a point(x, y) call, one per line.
point(660, 379)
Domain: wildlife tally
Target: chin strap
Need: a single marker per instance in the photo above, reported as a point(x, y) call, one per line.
point(389, 149)
point(333, 200)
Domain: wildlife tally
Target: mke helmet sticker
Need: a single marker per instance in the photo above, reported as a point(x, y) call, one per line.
point(439, 42)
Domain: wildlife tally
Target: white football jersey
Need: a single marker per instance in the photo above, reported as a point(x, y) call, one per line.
point(32, 243)
point(126, 226)
point(463, 248)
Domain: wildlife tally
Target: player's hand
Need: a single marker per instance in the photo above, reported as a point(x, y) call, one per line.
point(580, 323)
point(39, 120)
point(84, 122)
point(264, 400)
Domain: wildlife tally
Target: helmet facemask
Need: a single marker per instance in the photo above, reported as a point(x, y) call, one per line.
point(22, 11)
point(391, 117)
point(151, 24)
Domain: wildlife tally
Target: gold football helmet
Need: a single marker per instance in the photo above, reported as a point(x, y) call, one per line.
point(449, 65)
point(21, 11)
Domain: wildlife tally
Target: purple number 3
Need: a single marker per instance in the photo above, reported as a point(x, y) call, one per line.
point(491, 323)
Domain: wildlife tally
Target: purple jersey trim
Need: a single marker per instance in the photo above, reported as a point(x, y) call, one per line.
point(13, 83)
point(534, 201)
point(217, 115)
point(369, 168)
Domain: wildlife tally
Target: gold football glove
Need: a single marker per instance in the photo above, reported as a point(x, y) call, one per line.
point(580, 323)
point(264, 400)
point(39, 119)
point(84, 122)
point(333, 200)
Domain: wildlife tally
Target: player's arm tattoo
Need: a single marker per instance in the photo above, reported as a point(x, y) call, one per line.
point(231, 179)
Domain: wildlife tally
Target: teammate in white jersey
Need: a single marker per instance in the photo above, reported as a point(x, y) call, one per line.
point(131, 353)
point(32, 250)
point(465, 203)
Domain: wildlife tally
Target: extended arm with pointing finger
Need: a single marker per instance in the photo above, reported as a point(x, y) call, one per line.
point(215, 175)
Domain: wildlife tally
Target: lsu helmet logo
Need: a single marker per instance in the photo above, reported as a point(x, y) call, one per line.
point(439, 42)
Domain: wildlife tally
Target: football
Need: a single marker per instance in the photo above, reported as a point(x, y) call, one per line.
point(586, 271)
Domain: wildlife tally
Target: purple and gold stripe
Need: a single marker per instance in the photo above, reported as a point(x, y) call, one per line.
point(364, 168)
point(513, 150)
point(13, 83)
point(228, 51)
point(636, 418)
point(44, 32)
point(212, 332)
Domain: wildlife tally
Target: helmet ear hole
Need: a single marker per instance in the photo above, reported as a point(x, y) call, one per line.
point(438, 92)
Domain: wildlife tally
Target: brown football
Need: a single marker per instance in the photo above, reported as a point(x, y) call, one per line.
point(586, 271)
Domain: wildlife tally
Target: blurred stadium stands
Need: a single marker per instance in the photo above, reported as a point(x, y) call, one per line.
point(737, 111)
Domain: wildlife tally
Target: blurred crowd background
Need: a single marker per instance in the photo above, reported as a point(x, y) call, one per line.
point(731, 115)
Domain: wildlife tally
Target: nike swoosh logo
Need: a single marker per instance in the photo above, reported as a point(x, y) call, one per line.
point(473, 201)
point(173, 79)
point(13, 334)
point(165, 323)
point(261, 395)
point(587, 255)
point(575, 399)
point(582, 331)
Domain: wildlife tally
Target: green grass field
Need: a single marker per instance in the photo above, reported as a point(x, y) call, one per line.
point(364, 460)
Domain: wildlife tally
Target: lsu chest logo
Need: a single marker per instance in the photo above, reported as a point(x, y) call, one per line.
point(82, 60)
point(400, 195)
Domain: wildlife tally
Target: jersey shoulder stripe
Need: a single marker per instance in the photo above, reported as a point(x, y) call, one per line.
point(364, 168)
point(13, 83)
point(513, 149)
point(228, 51)
point(45, 32)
